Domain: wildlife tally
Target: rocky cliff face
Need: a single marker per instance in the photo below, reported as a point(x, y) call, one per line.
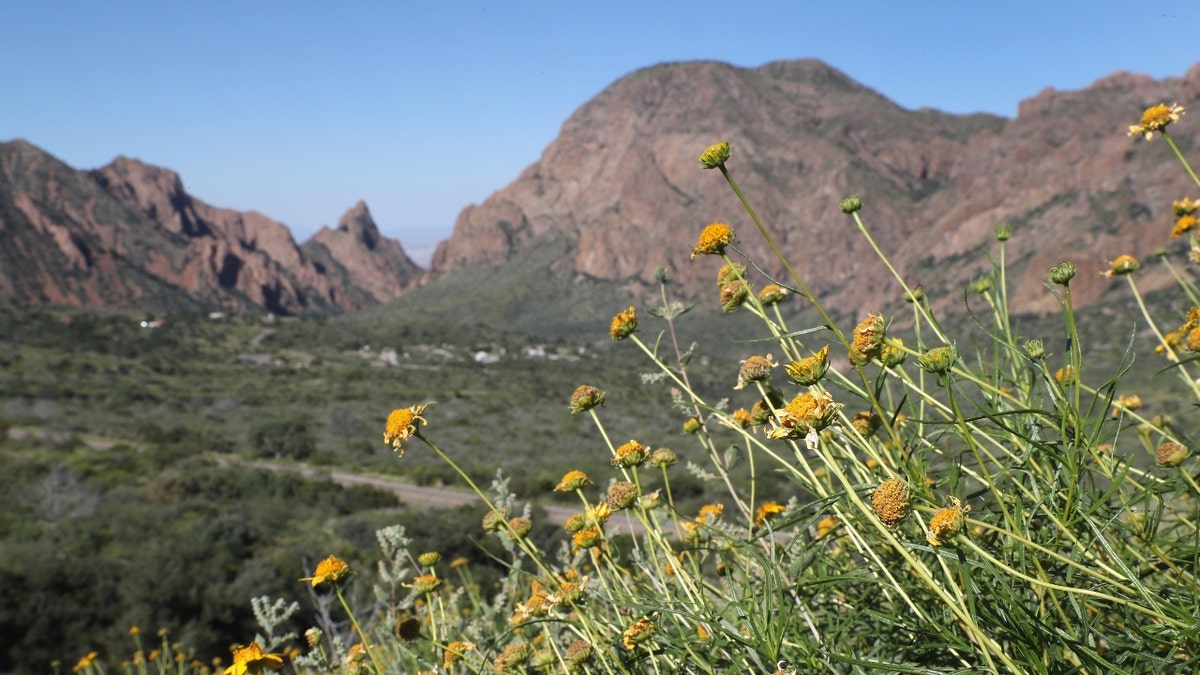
point(623, 184)
point(128, 236)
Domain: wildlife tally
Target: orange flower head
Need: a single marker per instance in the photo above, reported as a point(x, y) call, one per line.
point(891, 501)
point(947, 522)
point(767, 512)
point(572, 481)
point(1157, 118)
point(623, 324)
point(329, 570)
point(251, 659)
point(1124, 264)
point(713, 240)
point(402, 424)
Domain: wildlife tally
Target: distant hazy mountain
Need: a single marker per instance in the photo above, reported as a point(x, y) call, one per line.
point(128, 236)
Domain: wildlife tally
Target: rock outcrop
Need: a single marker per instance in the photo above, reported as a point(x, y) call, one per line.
point(622, 183)
point(129, 236)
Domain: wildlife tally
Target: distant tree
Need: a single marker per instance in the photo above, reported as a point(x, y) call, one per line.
point(289, 437)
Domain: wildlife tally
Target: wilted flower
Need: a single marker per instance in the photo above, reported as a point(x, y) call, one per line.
point(771, 294)
point(1171, 454)
point(755, 369)
point(947, 522)
point(761, 413)
point(402, 424)
point(1156, 118)
point(572, 481)
point(641, 631)
point(733, 294)
point(623, 324)
point(519, 527)
point(866, 423)
point(868, 339)
point(663, 457)
point(579, 653)
point(329, 570)
point(494, 521)
point(251, 659)
point(809, 370)
point(512, 658)
point(891, 501)
point(622, 495)
point(767, 512)
point(1124, 264)
point(630, 454)
point(713, 240)
point(585, 397)
point(715, 155)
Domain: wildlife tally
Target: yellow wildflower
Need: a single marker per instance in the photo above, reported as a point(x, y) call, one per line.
point(86, 662)
point(1124, 264)
point(597, 515)
point(455, 651)
point(630, 454)
point(767, 512)
point(623, 324)
point(826, 525)
point(807, 412)
point(402, 425)
point(947, 522)
point(1156, 118)
point(713, 240)
point(710, 512)
point(641, 631)
point(1185, 207)
point(1184, 224)
point(330, 569)
point(589, 538)
point(810, 369)
point(251, 659)
point(572, 481)
point(1130, 402)
point(741, 417)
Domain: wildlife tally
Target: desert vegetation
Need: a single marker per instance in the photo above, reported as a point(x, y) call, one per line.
point(866, 493)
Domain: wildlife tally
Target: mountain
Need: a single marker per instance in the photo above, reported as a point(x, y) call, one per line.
point(128, 236)
point(621, 185)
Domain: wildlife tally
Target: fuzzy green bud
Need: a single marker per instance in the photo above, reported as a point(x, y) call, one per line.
point(938, 360)
point(1003, 233)
point(1062, 273)
point(660, 274)
point(981, 285)
point(429, 559)
point(1035, 349)
point(715, 155)
point(851, 204)
point(916, 295)
point(494, 521)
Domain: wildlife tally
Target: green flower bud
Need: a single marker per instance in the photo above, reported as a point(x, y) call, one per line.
point(981, 285)
point(1003, 233)
point(429, 559)
point(1062, 273)
point(1035, 349)
point(938, 360)
point(850, 204)
point(715, 155)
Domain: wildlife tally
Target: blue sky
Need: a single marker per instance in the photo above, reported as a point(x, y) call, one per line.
point(300, 109)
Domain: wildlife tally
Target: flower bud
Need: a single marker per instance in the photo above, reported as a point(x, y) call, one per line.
point(1003, 233)
point(586, 397)
point(809, 370)
point(1035, 349)
point(981, 285)
point(715, 155)
point(850, 204)
point(938, 360)
point(429, 559)
point(1062, 273)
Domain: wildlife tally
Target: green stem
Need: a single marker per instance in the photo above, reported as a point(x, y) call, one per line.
point(1183, 160)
